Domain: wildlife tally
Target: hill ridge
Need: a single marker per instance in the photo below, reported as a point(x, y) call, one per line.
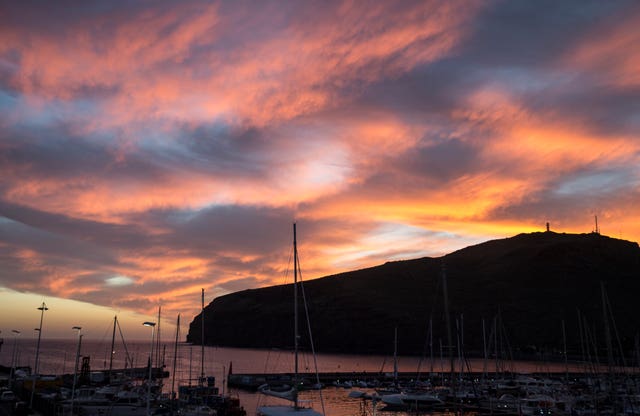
point(533, 281)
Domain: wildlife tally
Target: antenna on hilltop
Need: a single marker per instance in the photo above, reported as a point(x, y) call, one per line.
point(597, 230)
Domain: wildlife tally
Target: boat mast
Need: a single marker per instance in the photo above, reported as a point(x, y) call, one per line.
point(113, 341)
point(564, 352)
point(460, 343)
point(175, 359)
point(295, 316)
point(607, 330)
point(158, 337)
point(431, 342)
point(495, 342)
point(190, 364)
point(395, 356)
point(484, 348)
point(447, 320)
point(201, 381)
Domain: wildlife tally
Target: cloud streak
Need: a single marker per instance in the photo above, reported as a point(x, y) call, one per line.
point(150, 150)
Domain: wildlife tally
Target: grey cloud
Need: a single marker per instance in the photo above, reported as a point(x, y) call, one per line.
point(57, 152)
point(64, 227)
point(432, 164)
point(13, 274)
point(518, 46)
point(138, 304)
point(533, 34)
point(49, 255)
point(246, 228)
point(442, 161)
point(429, 90)
point(220, 149)
point(215, 234)
point(57, 248)
point(54, 18)
point(606, 110)
point(565, 199)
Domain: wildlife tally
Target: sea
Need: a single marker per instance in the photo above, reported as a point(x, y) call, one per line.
point(58, 356)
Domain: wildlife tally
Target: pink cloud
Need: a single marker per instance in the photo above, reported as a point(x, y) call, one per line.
point(610, 51)
point(293, 71)
point(151, 116)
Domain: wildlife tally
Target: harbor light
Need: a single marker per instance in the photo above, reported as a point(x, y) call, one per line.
point(42, 309)
point(75, 369)
point(153, 327)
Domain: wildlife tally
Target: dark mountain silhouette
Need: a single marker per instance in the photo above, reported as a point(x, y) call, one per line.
point(522, 288)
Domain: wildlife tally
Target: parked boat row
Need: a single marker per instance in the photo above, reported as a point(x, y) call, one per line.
point(580, 395)
point(54, 396)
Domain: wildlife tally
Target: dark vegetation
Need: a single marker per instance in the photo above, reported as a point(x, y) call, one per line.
point(522, 288)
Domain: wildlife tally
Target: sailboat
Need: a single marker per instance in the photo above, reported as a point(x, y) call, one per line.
point(204, 399)
point(292, 394)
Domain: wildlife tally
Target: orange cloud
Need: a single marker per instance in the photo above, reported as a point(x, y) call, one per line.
point(176, 110)
point(286, 74)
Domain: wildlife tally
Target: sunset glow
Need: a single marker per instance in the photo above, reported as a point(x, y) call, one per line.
point(151, 149)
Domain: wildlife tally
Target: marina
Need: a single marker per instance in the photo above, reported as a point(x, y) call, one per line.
point(351, 385)
point(461, 179)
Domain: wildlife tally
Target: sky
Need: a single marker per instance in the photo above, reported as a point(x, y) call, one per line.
point(151, 149)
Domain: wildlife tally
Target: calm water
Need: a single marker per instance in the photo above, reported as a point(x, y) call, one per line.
point(58, 356)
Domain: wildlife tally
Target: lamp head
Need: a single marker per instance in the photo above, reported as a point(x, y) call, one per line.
point(151, 324)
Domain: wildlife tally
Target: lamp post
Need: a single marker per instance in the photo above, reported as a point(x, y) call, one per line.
point(42, 308)
point(75, 369)
point(13, 356)
point(153, 327)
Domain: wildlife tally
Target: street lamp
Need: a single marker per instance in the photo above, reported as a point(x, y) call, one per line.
point(42, 308)
point(153, 327)
point(75, 369)
point(13, 356)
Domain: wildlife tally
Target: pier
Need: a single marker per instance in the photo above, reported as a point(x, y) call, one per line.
point(251, 381)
